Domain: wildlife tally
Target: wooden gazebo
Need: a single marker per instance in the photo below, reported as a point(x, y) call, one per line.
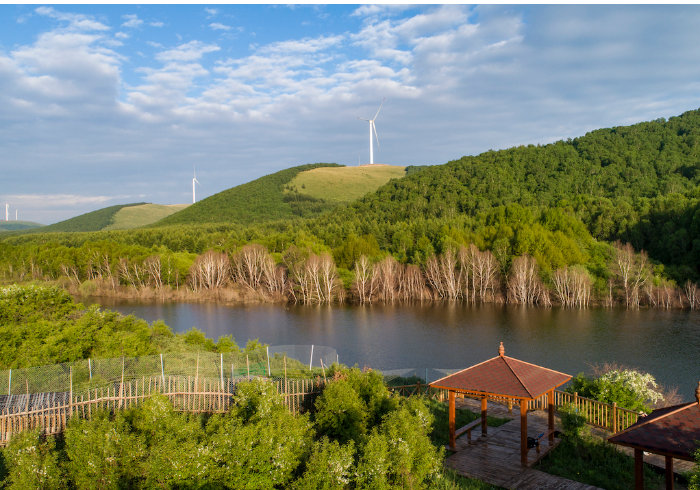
point(505, 378)
point(671, 432)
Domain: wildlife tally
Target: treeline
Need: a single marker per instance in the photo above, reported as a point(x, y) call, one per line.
point(464, 273)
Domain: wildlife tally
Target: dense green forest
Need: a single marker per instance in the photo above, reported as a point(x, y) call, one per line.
point(571, 206)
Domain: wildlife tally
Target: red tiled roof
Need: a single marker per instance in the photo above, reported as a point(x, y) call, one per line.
point(504, 375)
point(672, 430)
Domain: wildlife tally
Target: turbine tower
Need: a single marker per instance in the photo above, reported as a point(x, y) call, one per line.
point(7, 212)
point(193, 181)
point(372, 126)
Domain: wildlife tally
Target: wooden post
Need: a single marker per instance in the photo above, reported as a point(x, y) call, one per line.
point(27, 381)
point(484, 405)
point(638, 469)
point(121, 387)
point(550, 409)
point(247, 363)
point(669, 473)
point(523, 432)
point(614, 418)
point(451, 412)
point(70, 394)
point(222, 371)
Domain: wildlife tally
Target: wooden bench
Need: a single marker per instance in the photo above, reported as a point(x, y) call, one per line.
point(468, 429)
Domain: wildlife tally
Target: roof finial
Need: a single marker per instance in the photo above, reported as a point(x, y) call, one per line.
point(502, 352)
point(697, 393)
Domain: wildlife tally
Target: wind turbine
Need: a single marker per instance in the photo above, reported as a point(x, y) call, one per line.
point(373, 127)
point(193, 181)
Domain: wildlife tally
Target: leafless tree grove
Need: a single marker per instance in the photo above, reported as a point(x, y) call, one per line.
point(524, 284)
point(572, 286)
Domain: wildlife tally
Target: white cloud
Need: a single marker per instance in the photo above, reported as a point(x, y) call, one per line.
point(211, 12)
point(78, 22)
point(132, 21)
point(121, 35)
point(156, 24)
point(190, 51)
point(218, 26)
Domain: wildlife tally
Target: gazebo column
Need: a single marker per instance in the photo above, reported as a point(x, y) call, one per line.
point(669, 473)
point(484, 425)
point(550, 415)
point(638, 469)
point(451, 412)
point(523, 432)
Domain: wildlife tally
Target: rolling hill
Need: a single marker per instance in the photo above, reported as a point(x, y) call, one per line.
point(18, 225)
point(144, 214)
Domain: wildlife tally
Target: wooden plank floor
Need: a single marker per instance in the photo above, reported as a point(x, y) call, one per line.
point(495, 458)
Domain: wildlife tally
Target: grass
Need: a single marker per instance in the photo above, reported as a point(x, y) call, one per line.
point(453, 481)
point(593, 461)
point(343, 184)
point(145, 214)
point(92, 221)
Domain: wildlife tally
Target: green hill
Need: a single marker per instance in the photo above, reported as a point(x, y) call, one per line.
point(18, 225)
point(92, 221)
point(636, 183)
point(263, 199)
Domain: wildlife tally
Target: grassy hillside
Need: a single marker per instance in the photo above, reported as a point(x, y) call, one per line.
point(92, 221)
point(18, 225)
point(343, 184)
point(144, 214)
point(260, 200)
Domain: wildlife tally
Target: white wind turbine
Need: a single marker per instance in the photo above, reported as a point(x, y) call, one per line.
point(193, 181)
point(373, 127)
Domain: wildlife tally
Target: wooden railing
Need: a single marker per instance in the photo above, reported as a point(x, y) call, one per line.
point(187, 394)
point(599, 414)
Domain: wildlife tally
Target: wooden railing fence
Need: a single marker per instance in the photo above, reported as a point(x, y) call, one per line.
point(599, 414)
point(52, 411)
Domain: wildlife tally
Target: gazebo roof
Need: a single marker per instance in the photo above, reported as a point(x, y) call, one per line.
point(671, 431)
point(506, 376)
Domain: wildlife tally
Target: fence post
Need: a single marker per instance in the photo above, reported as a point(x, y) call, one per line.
point(90, 366)
point(162, 370)
point(312, 356)
point(267, 349)
point(121, 386)
point(614, 415)
point(222, 370)
point(70, 400)
point(576, 399)
point(9, 384)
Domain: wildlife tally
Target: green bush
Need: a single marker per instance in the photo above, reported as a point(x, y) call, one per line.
point(572, 421)
point(628, 388)
point(329, 468)
point(340, 413)
point(88, 288)
point(32, 462)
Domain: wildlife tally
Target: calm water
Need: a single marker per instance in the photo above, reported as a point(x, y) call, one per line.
point(452, 336)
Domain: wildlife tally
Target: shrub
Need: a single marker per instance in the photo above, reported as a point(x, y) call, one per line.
point(628, 388)
point(102, 452)
point(572, 421)
point(32, 462)
point(256, 399)
point(329, 467)
point(88, 288)
point(340, 413)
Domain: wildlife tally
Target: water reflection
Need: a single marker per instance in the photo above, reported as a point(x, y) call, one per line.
point(452, 335)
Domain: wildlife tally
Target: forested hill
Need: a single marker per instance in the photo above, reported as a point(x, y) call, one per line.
point(92, 221)
point(623, 163)
point(635, 183)
point(260, 200)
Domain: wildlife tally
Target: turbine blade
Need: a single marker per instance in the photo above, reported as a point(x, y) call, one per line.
point(376, 135)
point(201, 184)
point(380, 108)
point(363, 119)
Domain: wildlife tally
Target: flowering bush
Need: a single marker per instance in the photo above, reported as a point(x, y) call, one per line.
point(628, 388)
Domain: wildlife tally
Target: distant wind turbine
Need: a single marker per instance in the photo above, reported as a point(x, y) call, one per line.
point(373, 127)
point(193, 181)
point(7, 212)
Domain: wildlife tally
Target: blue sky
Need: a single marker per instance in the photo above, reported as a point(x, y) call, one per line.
point(106, 104)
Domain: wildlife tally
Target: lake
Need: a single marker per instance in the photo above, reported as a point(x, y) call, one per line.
point(665, 343)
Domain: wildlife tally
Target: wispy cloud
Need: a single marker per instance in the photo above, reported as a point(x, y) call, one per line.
point(132, 21)
point(217, 26)
point(211, 12)
point(78, 22)
point(156, 24)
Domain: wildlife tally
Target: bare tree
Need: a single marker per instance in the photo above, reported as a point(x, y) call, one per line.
point(152, 265)
point(572, 286)
point(249, 264)
point(210, 271)
point(691, 292)
point(524, 284)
